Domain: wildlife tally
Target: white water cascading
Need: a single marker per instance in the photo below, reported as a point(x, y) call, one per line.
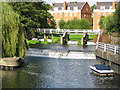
point(63, 54)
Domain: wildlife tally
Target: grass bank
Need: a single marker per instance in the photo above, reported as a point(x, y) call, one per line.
point(56, 39)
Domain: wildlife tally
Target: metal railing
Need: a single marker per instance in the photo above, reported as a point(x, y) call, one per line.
point(108, 47)
point(44, 30)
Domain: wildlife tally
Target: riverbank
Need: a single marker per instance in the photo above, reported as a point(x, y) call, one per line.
point(56, 39)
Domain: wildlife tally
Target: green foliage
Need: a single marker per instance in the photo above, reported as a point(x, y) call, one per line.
point(32, 41)
point(33, 15)
point(22, 44)
point(101, 22)
point(92, 7)
point(91, 37)
point(13, 40)
point(116, 20)
point(75, 24)
point(10, 27)
point(75, 37)
point(84, 24)
point(56, 39)
point(111, 23)
point(52, 23)
point(61, 24)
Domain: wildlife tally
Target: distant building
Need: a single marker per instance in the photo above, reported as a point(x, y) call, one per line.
point(71, 10)
point(102, 9)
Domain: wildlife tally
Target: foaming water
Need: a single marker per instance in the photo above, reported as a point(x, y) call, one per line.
point(63, 54)
point(42, 72)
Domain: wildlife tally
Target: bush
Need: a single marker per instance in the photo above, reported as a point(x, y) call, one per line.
point(74, 24)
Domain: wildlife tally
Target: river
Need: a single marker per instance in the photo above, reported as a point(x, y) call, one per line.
point(41, 72)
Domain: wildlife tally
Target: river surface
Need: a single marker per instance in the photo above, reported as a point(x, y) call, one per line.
point(39, 72)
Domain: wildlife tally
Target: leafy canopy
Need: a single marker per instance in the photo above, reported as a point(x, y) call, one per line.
point(75, 24)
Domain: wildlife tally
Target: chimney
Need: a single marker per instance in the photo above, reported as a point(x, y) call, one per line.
point(97, 3)
point(64, 5)
point(52, 4)
point(113, 4)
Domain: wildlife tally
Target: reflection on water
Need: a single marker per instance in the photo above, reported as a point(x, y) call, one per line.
point(62, 47)
point(56, 73)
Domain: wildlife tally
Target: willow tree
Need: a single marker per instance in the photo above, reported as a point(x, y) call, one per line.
point(11, 33)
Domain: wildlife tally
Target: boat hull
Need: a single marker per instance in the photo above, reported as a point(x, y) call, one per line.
point(101, 72)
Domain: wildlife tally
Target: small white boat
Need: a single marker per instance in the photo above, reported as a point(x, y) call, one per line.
point(101, 70)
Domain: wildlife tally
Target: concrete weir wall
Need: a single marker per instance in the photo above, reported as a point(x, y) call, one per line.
point(10, 62)
point(109, 59)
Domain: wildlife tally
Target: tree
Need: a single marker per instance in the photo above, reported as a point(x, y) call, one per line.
point(84, 24)
point(116, 20)
point(33, 15)
point(92, 7)
point(101, 22)
point(61, 24)
point(12, 34)
point(77, 24)
point(111, 23)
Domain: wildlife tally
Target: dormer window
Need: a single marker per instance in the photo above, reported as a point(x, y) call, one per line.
point(79, 8)
point(59, 8)
point(102, 7)
point(71, 8)
point(110, 7)
point(56, 8)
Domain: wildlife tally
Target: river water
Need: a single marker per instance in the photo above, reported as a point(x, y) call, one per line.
point(41, 72)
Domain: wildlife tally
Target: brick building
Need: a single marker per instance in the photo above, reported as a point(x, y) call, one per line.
point(71, 10)
point(102, 9)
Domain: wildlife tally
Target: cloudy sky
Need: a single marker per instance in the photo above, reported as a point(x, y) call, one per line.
point(91, 2)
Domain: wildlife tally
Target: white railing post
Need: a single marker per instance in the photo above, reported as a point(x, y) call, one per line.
point(44, 30)
point(104, 47)
point(62, 30)
point(115, 49)
point(97, 45)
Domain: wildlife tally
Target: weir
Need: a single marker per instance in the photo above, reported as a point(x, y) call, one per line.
point(62, 54)
point(64, 34)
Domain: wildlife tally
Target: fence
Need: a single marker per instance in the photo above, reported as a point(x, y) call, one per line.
point(44, 30)
point(108, 47)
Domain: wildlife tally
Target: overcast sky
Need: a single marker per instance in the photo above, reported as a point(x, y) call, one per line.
point(91, 2)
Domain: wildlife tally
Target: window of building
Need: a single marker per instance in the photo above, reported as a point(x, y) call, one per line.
point(58, 20)
point(56, 8)
point(71, 8)
point(98, 14)
point(67, 19)
point(59, 8)
point(102, 7)
point(60, 14)
point(75, 14)
point(68, 8)
point(84, 15)
point(75, 8)
point(98, 21)
point(70, 14)
point(104, 14)
point(66, 14)
point(86, 9)
point(110, 7)
point(98, 27)
point(79, 8)
point(56, 14)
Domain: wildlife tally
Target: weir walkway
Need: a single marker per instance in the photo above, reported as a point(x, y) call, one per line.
point(64, 34)
point(69, 31)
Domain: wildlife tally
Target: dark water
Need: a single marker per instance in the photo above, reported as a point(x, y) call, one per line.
point(40, 72)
